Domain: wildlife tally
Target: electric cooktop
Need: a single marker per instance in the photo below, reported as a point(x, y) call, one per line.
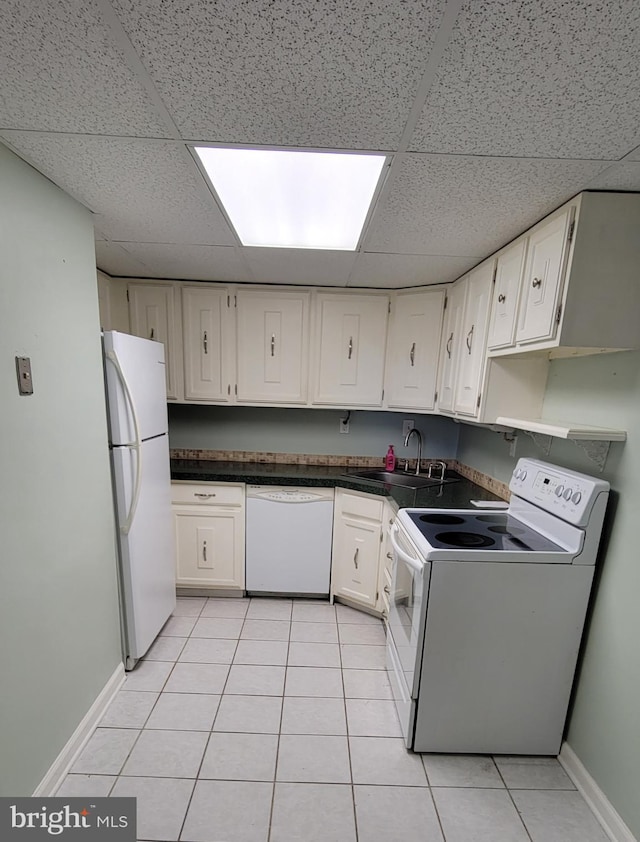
point(497, 532)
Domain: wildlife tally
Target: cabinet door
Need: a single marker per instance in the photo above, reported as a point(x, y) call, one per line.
point(509, 268)
point(473, 340)
point(450, 344)
point(543, 278)
point(152, 312)
point(355, 560)
point(210, 548)
point(207, 344)
point(271, 346)
point(350, 349)
point(412, 354)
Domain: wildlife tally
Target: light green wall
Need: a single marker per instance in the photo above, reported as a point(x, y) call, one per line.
point(59, 621)
point(274, 430)
point(604, 729)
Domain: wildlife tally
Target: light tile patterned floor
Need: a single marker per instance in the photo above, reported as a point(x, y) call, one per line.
point(271, 720)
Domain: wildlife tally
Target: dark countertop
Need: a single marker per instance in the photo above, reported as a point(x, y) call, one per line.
point(453, 495)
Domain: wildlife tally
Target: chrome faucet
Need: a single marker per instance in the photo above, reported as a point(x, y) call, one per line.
point(406, 443)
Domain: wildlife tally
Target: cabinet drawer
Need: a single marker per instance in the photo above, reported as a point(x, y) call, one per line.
point(208, 493)
point(367, 507)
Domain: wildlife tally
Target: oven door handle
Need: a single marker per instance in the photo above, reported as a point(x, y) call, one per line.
point(411, 562)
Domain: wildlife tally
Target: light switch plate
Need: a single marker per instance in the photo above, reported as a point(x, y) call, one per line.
point(23, 370)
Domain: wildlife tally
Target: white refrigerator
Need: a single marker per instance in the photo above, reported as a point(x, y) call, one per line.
point(139, 447)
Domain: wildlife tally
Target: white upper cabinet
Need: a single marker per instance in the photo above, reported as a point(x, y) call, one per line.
point(208, 344)
point(272, 346)
point(412, 349)
point(451, 337)
point(154, 313)
point(506, 294)
point(349, 349)
point(472, 346)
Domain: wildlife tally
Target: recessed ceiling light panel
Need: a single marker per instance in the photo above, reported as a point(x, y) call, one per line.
point(283, 199)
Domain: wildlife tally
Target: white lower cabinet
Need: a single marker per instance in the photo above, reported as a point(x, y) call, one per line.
point(357, 545)
point(209, 520)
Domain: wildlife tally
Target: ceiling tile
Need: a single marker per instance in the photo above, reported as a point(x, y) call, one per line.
point(116, 261)
point(538, 78)
point(622, 176)
point(61, 71)
point(394, 271)
point(285, 72)
point(140, 190)
point(188, 262)
point(463, 206)
point(300, 266)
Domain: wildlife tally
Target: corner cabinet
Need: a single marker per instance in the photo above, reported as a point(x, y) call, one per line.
point(349, 349)
point(209, 520)
point(412, 350)
point(208, 344)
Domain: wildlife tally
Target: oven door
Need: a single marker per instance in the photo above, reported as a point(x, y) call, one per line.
point(405, 631)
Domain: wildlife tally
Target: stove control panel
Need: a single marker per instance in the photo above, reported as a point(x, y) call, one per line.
point(567, 494)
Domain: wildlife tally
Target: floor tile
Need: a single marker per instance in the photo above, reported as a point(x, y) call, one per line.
point(167, 754)
point(166, 649)
point(189, 606)
point(533, 773)
point(312, 632)
point(225, 608)
point(197, 678)
point(372, 718)
point(249, 714)
point(366, 634)
point(225, 627)
point(313, 716)
point(478, 815)
point(346, 614)
point(269, 609)
point(268, 652)
point(178, 626)
point(313, 759)
point(148, 675)
point(314, 681)
point(105, 752)
point(240, 757)
point(557, 817)
point(79, 786)
point(474, 770)
point(396, 812)
point(129, 709)
point(184, 712)
point(161, 805)
point(313, 612)
point(385, 760)
point(314, 654)
point(312, 813)
point(366, 684)
point(208, 650)
point(255, 680)
point(265, 630)
point(233, 811)
point(364, 657)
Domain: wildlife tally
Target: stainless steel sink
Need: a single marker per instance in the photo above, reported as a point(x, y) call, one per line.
point(399, 478)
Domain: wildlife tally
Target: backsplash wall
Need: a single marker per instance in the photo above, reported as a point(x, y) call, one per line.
point(285, 430)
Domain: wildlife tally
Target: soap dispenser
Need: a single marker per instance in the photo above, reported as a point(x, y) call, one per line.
point(390, 459)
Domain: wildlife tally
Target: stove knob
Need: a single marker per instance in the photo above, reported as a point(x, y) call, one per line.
point(567, 493)
point(559, 490)
point(516, 473)
point(576, 498)
point(523, 475)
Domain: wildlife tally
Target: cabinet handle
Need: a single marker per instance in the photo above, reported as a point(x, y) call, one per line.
point(205, 344)
point(204, 550)
point(537, 282)
point(273, 344)
point(355, 557)
point(387, 589)
point(390, 556)
point(204, 494)
point(469, 339)
point(152, 335)
point(449, 341)
point(502, 298)
point(412, 353)
point(350, 346)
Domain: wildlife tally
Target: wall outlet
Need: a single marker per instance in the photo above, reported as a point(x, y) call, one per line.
point(344, 425)
point(407, 426)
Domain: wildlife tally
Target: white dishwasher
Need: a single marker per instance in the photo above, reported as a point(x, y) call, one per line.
point(288, 540)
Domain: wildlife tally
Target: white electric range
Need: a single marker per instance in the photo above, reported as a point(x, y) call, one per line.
point(487, 612)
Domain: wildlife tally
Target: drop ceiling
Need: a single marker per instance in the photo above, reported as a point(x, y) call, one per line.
point(492, 114)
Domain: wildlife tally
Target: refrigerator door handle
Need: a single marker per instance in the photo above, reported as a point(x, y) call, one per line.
point(134, 445)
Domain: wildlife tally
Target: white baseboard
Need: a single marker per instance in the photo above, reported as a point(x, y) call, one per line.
point(604, 811)
point(63, 762)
